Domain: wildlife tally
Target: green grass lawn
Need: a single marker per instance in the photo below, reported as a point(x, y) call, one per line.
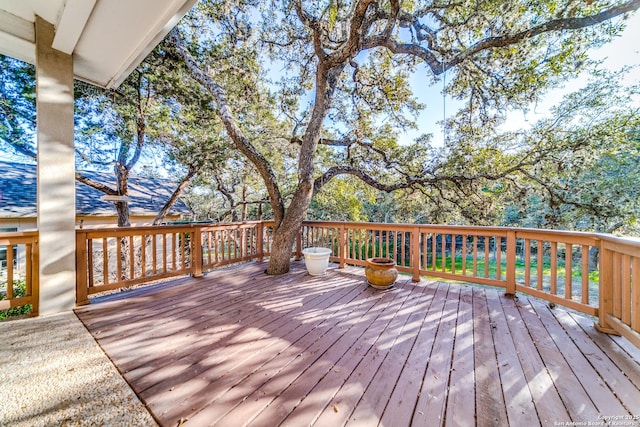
point(492, 268)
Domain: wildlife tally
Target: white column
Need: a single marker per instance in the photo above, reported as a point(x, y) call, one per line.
point(56, 173)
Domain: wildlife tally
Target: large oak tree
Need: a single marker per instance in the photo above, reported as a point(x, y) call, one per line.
point(346, 67)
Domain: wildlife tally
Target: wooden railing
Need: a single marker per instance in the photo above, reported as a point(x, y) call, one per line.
point(114, 258)
point(620, 288)
point(545, 264)
point(224, 244)
point(19, 268)
point(588, 272)
point(108, 259)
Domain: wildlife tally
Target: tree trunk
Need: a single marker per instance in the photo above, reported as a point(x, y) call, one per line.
point(282, 248)
point(123, 214)
point(244, 205)
point(285, 233)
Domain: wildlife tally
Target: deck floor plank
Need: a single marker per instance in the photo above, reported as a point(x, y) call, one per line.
point(549, 405)
point(433, 395)
point(308, 360)
point(401, 404)
point(225, 335)
point(490, 406)
point(238, 347)
point(223, 370)
point(461, 404)
point(584, 372)
point(310, 408)
point(617, 349)
point(395, 351)
point(613, 376)
point(570, 389)
point(515, 389)
point(347, 398)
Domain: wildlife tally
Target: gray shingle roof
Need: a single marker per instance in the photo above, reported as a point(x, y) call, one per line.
point(18, 193)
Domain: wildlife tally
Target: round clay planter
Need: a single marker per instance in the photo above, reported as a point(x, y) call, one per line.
point(381, 272)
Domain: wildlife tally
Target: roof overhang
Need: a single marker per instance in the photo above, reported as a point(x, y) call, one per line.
point(107, 38)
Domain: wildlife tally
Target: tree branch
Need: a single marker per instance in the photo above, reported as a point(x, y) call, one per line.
point(96, 184)
point(174, 196)
point(237, 136)
point(438, 66)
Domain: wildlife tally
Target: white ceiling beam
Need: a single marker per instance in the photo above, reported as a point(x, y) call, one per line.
point(71, 23)
point(17, 47)
point(17, 27)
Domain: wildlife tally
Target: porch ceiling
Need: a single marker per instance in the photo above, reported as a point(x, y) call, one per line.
point(108, 38)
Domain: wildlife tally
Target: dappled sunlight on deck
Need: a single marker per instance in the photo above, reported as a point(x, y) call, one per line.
point(238, 347)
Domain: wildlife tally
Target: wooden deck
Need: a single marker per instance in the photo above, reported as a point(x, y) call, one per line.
point(240, 348)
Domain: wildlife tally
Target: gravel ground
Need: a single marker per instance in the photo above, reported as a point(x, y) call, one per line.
point(52, 373)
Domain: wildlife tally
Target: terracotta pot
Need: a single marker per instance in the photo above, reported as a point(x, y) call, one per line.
point(381, 272)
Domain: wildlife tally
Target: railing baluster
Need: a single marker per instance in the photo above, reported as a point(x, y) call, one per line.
point(132, 265)
point(453, 253)
point(443, 252)
point(625, 285)
point(143, 252)
point(475, 255)
point(119, 259)
point(487, 255)
point(527, 262)
point(498, 241)
point(617, 297)
point(568, 270)
point(9, 254)
point(105, 262)
point(635, 294)
point(540, 265)
point(164, 252)
point(584, 255)
point(554, 268)
point(464, 254)
point(154, 249)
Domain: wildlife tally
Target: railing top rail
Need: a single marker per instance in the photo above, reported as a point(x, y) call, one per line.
point(18, 238)
point(554, 235)
point(17, 234)
point(165, 227)
point(455, 228)
point(631, 241)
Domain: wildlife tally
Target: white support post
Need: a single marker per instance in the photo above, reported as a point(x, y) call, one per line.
point(56, 173)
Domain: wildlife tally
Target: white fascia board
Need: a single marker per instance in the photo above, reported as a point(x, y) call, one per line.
point(71, 23)
point(168, 21)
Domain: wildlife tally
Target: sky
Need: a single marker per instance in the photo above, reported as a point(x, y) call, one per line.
point(624, 50)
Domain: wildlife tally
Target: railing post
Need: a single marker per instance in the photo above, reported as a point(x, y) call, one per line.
point(299, 245)
point(35, 278)
point(511, 263)
point(415, 253)
point(605, 305)
point(260, 241)
point(81, 268)
point(197, 252)
point(342, 245)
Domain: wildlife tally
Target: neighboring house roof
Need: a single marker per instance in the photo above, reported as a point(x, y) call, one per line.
point(148, 195)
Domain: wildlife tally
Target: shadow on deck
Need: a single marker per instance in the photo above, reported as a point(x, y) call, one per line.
point(238, 347)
